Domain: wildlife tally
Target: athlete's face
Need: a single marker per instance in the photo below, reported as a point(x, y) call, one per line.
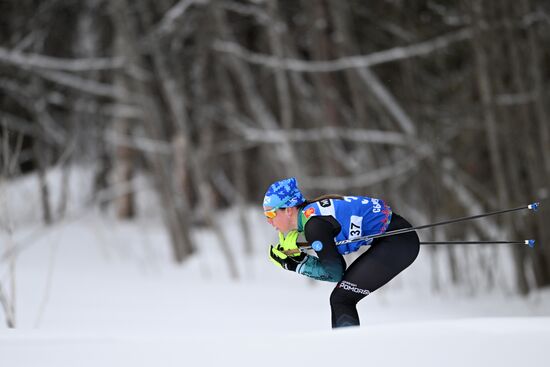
point(284, 219)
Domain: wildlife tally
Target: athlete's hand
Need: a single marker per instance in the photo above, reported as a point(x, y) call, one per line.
point(279, 258)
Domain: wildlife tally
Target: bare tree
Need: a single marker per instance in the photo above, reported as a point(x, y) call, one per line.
point(213, 100)
point(10, 157)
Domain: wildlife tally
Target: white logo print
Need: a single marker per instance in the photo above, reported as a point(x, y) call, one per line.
point(376, 206)
point(348, 286)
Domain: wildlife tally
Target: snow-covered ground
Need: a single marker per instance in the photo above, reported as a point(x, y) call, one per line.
point(93, 291)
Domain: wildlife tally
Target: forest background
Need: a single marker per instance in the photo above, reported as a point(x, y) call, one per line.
point(439, 107)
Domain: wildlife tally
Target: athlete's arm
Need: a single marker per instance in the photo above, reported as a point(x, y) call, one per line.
point(330, 264)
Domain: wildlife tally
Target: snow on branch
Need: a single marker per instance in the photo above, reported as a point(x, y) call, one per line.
point(515, 99)
point(168, 22)
point(84, 85)
point(324, 133)
point(247, 10)
point(393, 54)
point(140, 143)
point(419, 152)
point(36, 61)
point(369, 178)
point(279, 136)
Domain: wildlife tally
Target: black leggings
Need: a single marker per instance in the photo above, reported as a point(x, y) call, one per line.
point(386, 258)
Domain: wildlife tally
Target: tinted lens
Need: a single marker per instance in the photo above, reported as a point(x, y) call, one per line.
point(270, 214)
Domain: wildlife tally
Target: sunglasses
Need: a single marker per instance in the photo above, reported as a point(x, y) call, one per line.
point(272, 213)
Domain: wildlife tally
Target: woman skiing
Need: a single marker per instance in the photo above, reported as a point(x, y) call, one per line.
point(332, 218)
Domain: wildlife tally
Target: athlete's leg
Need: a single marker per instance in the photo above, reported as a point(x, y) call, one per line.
point(386, 258)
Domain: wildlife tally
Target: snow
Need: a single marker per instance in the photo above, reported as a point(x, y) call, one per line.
point(467, 342)
point(94, 291)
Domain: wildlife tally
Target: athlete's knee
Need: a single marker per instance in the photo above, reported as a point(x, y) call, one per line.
point(346, 293)
point(343, 306)
point(415, 246)
point(337, 297)
point(411, 247)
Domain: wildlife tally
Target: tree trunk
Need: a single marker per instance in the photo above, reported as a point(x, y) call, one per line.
point(175, 215)
point(479, 42)
point(41, 155)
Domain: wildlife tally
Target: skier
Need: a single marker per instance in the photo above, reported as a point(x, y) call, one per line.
point(332, 218)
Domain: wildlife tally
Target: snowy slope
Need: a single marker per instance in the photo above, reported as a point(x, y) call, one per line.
point(96, 292)
point(466, 342)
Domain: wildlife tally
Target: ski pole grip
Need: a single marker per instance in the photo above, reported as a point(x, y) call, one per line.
point(317, 245)
point(534, 207)
point(531, 243)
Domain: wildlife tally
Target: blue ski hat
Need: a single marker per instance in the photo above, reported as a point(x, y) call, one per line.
point(283, 194)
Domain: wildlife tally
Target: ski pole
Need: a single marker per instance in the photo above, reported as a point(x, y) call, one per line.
point(302, 246)
point(530, 243)
point(533, 207)
point(318, 245)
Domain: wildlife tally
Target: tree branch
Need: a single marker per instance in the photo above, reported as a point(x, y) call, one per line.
point(168, 22)
point(393, 54)
point(279, 136)
point(84, 85)
point(370, 178)
point(140, 143)
point(37, 61)
point(325, 133)
point(388, 100)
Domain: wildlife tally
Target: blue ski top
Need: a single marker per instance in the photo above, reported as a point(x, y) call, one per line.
point(357, 216)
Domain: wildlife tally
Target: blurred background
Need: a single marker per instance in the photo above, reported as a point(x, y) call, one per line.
point(183, 112)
